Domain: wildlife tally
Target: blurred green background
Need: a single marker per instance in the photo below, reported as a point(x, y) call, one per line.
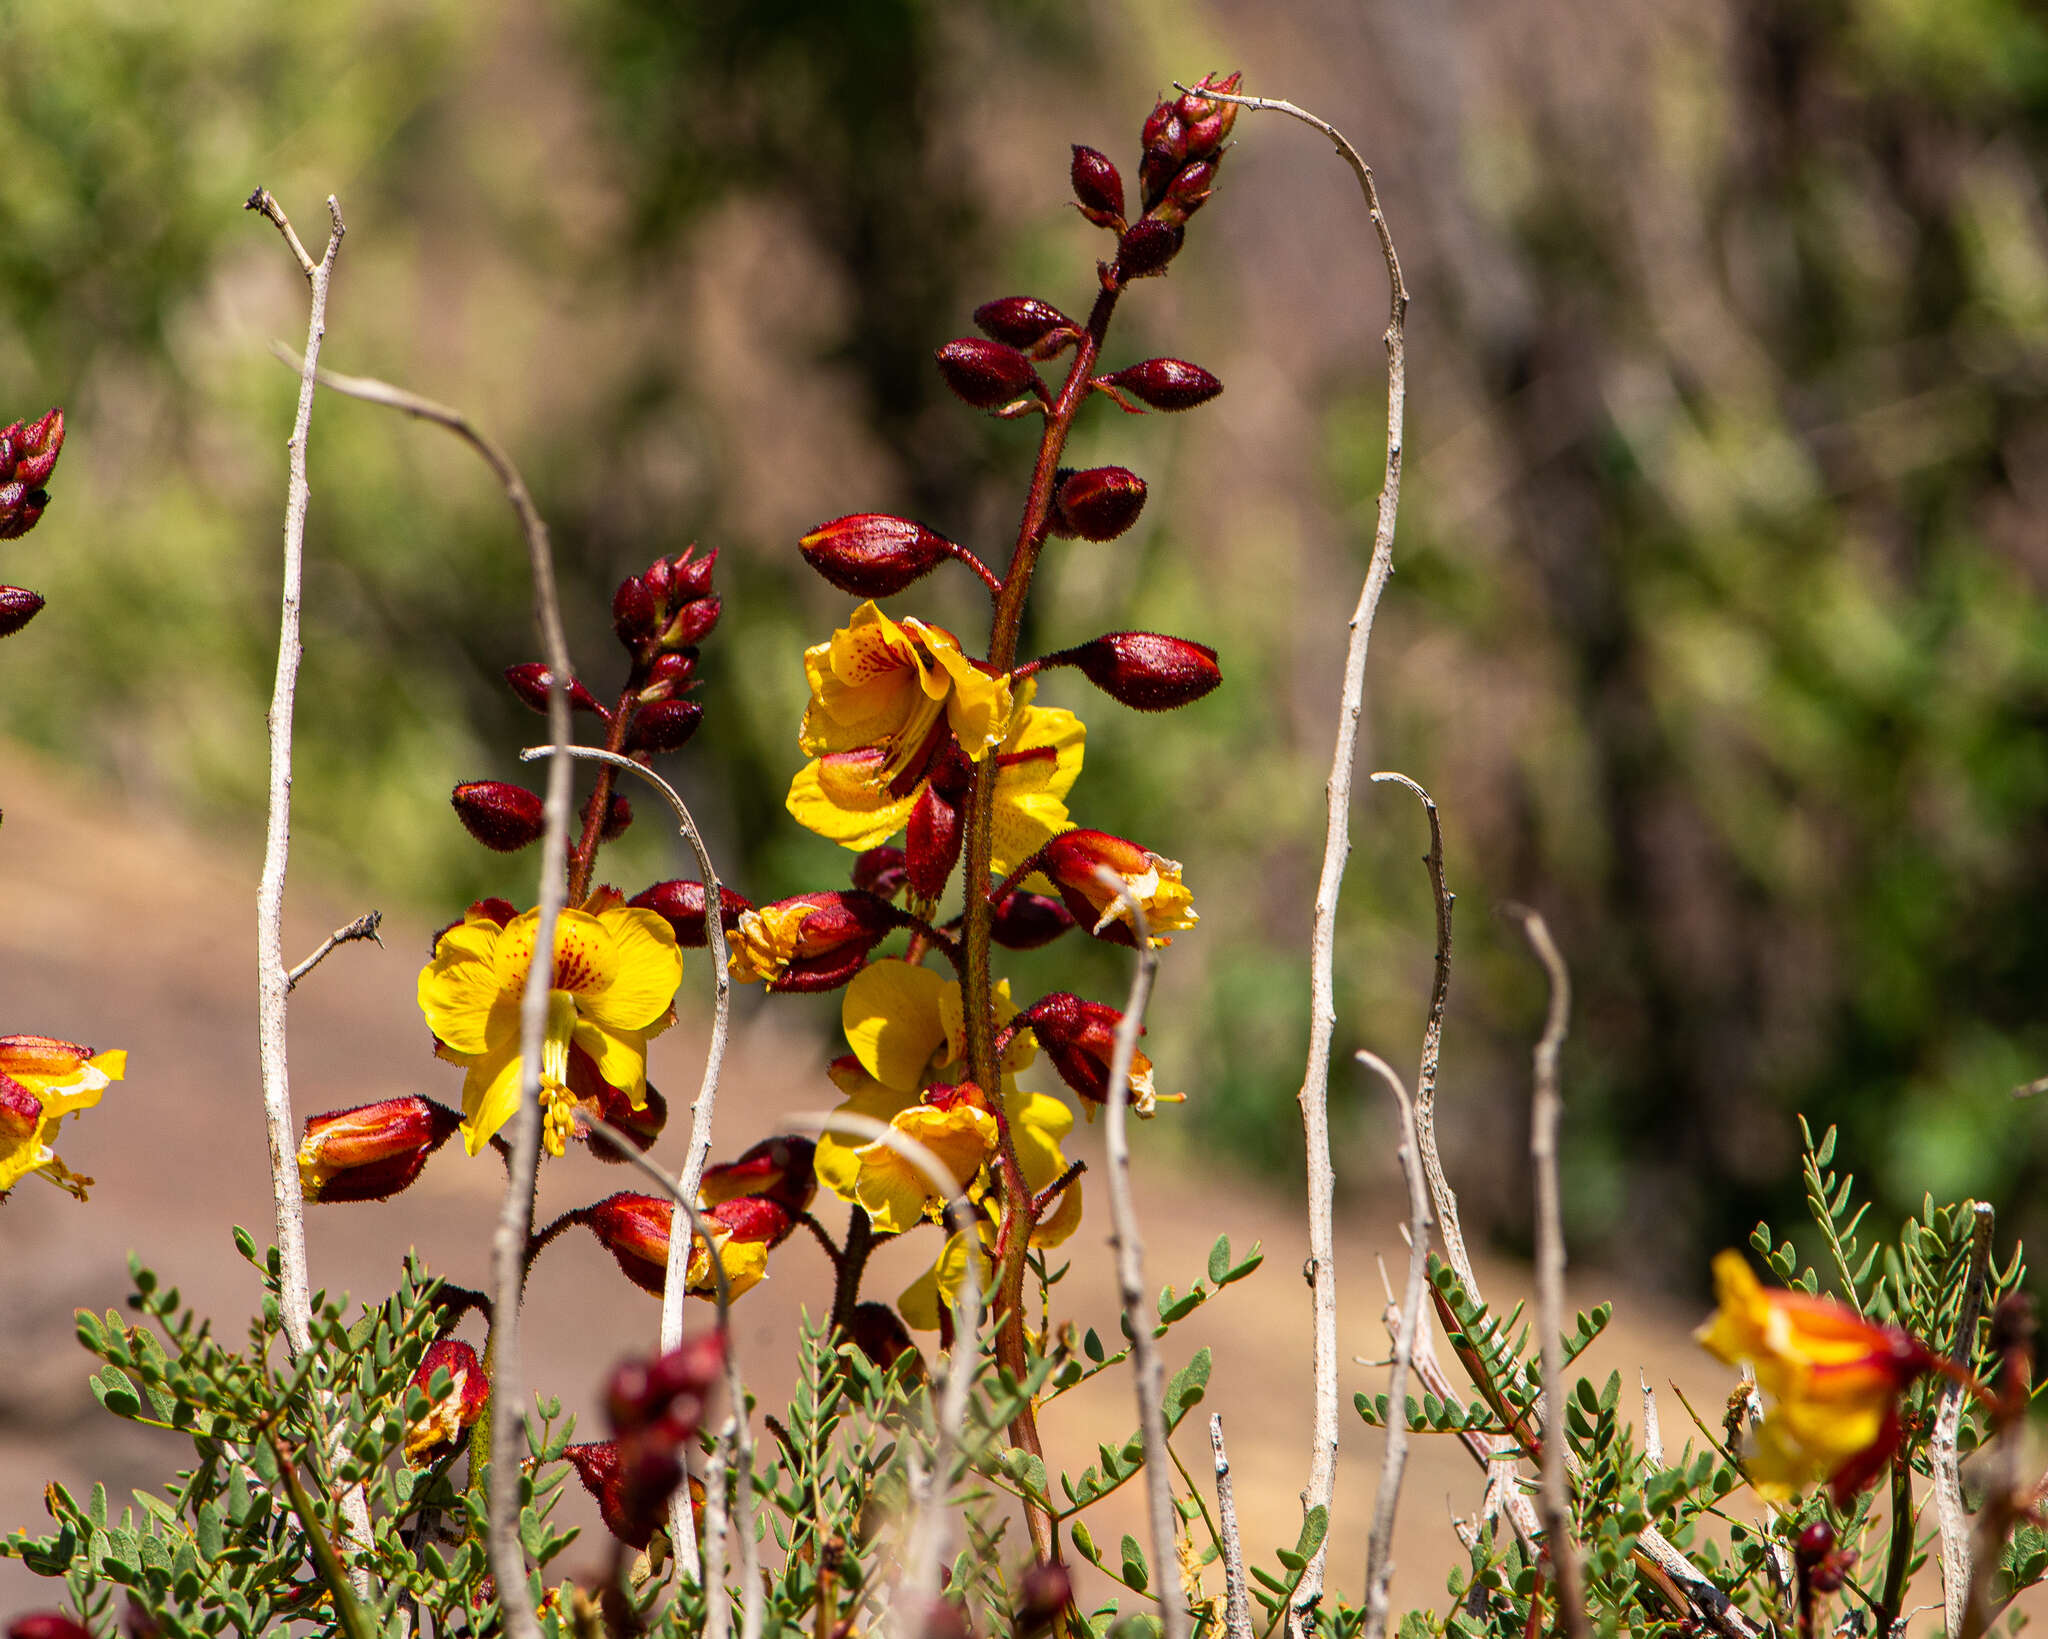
point(1718, 630)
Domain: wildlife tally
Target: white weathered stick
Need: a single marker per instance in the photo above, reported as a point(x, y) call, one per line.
point(1314, 1097)
point(363, 927)
point(1237, 1609)
point(926, 1534)
point(1379, 1562)
point(717, 1608)
point(1148, 1371)
point(1653, 1435)
point(515, 1216)
point(682, 1526)
point(1543, 1124)
point(1956, 1562)
point(272, 980)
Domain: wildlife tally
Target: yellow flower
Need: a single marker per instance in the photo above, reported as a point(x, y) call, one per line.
point(1834, 1379)
point(884, 700)
point(1075, 861)
point(42, 1080)
point(893, 1189)
point(615, 975)
point(927, 1303)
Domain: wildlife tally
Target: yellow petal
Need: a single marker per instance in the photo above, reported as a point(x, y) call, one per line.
point(458, 987)
point(620, 1056)
point(894, 1189)
point(837, 1158)
point(490, 1094)
point(939, 1285)
point(891, 1017)
point(643, 982)
point(848, 807)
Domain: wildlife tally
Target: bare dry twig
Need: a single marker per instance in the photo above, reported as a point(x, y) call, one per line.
point(682, 1526)
point(1956, 1564)
point(515, 1218)
point(1147, 1370)
point(363, 927)
point(1379, 1563)
point(1548, 1107)
point(1314, 1097)
point(1237, 1610)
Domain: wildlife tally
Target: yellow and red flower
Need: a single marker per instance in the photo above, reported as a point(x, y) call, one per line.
point(816, 941)
point(635, 1230)
point(42, 1080)
point(373, 1151)
point(439, 1430)
point(1075, 860)
point(615, 974)
point(1834, 1379)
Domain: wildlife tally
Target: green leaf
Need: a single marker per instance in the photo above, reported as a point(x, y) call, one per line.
point(1091, 1346)
point(1084, 1544)
point(1219, 1261)
point(1188, 1386)
point(1135, 1572)
point(113, 1390)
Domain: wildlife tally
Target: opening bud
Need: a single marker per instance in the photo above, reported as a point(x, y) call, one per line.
point(500, 815)
point(18, 606)
point(460, 1398)
point(1165, 384)
point(872, 555)
point(664, 726)
point(1080, 1039)
point(931, 842)
point(779, 1169)
point(372, 1152)
point(1146, 249)
point(1147, 671)
point(880, 871)
point(1098, 188)
point(1076, 860)
point(1025, 322)
point(1098, 504)
point(1207, 121)
point(1024, 921)
point(529, 680)
point(668, 675)
point(987, 374)
point(681, 905)
point(815, 941)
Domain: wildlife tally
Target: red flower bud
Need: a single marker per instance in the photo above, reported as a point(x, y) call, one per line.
point(47, 1625)
point(691, 623)
point(439, 1429)
point(20, 507)
point(778, 1168)
point(754, 1218)
point(681, 905)
point(667, 675)
point(1098, 504)
point(635, 612)
point(500, 815)
point(1188, 192)
point(1099, 188)
point(872, 555)
point(1165, 384)
point(634, 1229)
point(1075, 860)
point(632, 1482)
point(668, 605)
point(1080, 1039)
point(879, 1333)
point(372, 1152)
point(1042, 1593)
point(618, 816)
point(1207, 121)
point(880, 871)
point(28, 455)
point(931, 843)
point(1146, 249)
point(18, 606)
point(529, 680)
point(1146, 671)
point(1024, 321)
point(1156, 172)
point(1164, 133)
point(664, 726)
point(987, 373)
point(1024, 921)
point(813, 941)
point(500, 911)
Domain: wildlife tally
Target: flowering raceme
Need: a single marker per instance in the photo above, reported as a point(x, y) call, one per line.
point(42, 1080)
point(616, 972)
point(1834, 1378)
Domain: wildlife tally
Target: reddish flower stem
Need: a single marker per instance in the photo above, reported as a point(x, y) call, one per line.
point(1015, 1235)
point(583, 859)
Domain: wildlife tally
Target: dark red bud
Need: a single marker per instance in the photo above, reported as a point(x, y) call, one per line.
point(1164, 133)
point(18, 606)
point(20, 508)
point(872, 555)
point(529, 680)
point(32, 470)
point(634, 1229)
point(668, 674)
point(371, 1152)
point(636, 612)
point(986, 373)
point(1042, 1593)
point(1207, 121)
point(1166, 384)
point(1156, 172)
point(879, 1333)
point(931, 843)
point(47, 1625)
point(46, 433)
point(1147, 671)
point(782, 1169)
point(1024, 921)
point(754, 1218)
point(500, 815)
point(1099, 188)
point(692, 622)
point(689, 576)
point(880, 871)
point(500, 911)
point(1146, 249)
point(664, 726)
point(1816, 1542)
point(642, 1126)
point(465, 1393)
point(1022, 321)
point(681, 905)
point(618, 816)
point(1189, 191)
point(1098, 504)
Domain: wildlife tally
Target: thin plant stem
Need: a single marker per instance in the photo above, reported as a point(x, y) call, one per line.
point(1314, 1097)
point(1956, 1561)
point(1237, 1611)
point(682, 1525)
point(363, 927)
point(1379, 1552)
point(1148, 1371)
point(1548, 1106)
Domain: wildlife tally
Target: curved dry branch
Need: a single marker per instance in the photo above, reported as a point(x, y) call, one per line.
point(682, 1525)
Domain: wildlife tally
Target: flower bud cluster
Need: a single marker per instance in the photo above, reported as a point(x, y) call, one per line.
point(656, 1408)
point(28, 455)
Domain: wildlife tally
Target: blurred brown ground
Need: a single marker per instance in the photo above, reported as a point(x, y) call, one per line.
point(123, 930)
